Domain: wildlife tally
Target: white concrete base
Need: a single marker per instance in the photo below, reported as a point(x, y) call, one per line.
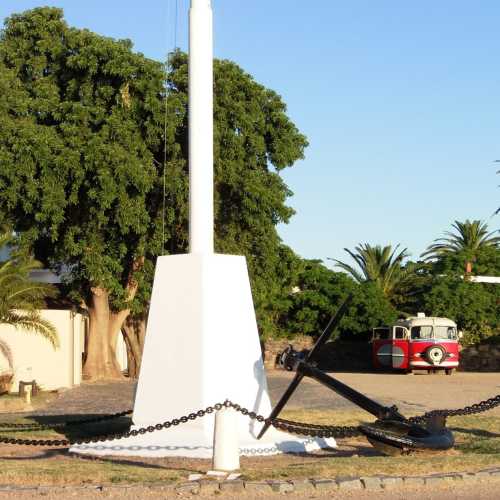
point(195, 444)
point(202, 347)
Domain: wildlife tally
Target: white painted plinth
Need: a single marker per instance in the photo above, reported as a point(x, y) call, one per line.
point(202, 347)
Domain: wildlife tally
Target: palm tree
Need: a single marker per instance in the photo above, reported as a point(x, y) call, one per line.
point(382, 266)
point(469, 238)
point(21, 298)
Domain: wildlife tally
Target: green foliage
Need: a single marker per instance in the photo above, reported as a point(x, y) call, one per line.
point(253, 141)
point(469, 242)
point(474, 306)
point(319, 294)
point(21, 298)
point(82, 152)
point(77, 165)
point(383, 267)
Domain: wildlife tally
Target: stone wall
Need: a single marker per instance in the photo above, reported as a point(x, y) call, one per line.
point(271, 348)
point(483, 358)
point(334, 356)
point(356, 356)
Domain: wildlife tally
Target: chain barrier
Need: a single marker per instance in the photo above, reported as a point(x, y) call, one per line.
point(67, 423)
point(482, 406)
point(118, 435)
point(301, 428)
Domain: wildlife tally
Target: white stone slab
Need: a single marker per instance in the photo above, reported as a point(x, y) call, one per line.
point(202, 347)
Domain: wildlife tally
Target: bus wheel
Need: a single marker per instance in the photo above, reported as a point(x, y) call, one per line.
point(449, 371)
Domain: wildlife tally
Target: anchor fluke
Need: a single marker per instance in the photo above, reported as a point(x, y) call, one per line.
point(401, 438)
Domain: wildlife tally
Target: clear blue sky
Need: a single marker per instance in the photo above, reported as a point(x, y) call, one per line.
point(400, 102)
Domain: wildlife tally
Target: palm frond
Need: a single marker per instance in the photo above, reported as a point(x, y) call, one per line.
point(349, 269)
point(21, 298)
point(33, 323)
point(382, 265)
point(468, 237)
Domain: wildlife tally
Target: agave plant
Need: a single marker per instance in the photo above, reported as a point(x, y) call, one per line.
point(382, 266)
point(469, 238)
point(21, 298)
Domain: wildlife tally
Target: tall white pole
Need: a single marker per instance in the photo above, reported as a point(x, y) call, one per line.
point(201, 209)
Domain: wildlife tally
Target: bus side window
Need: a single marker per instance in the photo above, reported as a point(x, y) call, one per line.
point(399, 333)
point(415, 332)
point(381, 333)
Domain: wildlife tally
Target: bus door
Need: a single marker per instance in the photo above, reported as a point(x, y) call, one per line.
point(399, 348)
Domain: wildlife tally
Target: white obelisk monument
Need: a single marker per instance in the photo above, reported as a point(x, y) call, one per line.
point(202, 345)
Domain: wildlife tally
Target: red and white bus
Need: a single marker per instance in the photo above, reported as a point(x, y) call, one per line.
point(417, 343)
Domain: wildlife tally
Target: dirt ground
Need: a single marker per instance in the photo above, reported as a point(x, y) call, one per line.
point(413, 394)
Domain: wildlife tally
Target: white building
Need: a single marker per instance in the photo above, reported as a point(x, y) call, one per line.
point(29, 356)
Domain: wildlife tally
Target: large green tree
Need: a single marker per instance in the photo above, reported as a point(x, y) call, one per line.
point(83, 170)
point(77, 163)
point(253, 141)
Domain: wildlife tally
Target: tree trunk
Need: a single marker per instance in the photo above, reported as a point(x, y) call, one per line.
point(468, 268)
point(104, 327)
point(134, 332)
point(100, 362)
point(131, 365)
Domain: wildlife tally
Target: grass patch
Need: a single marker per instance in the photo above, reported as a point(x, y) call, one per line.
point(477, 447)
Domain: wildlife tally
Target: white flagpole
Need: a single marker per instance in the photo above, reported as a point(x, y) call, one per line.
point(201, 211)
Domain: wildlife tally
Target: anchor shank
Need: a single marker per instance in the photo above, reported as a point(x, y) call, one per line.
point(371, 406)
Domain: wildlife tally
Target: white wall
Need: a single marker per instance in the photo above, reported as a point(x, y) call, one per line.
point(121, 353)
point(485, 279)
point(33, 357)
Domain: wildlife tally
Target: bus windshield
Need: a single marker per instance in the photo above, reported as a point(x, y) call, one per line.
point(421, 332)
point(445, 332)
point(438, 332)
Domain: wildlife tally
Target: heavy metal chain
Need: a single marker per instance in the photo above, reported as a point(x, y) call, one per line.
point(301, 428)
point(482, 406)
point(118, 435)
point(313, 430)
point(67, 423)
point(296, 427)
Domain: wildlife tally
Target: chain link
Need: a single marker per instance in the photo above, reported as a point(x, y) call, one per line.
point(301, 428)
